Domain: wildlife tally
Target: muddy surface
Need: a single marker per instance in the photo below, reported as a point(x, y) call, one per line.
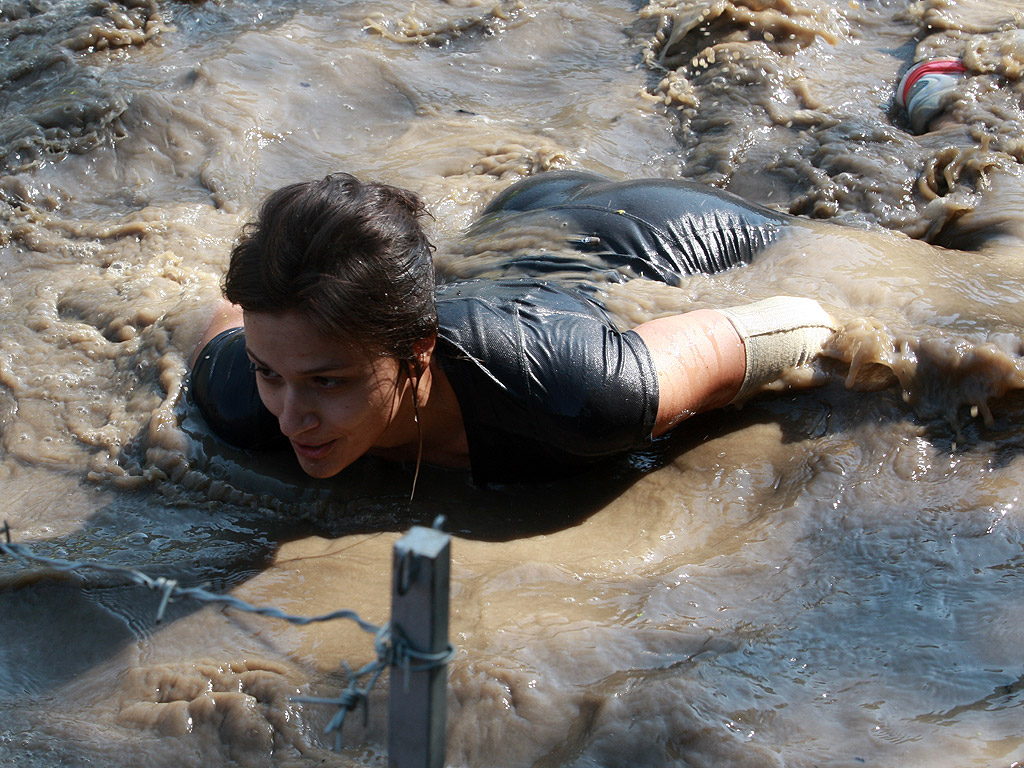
point(821, 577)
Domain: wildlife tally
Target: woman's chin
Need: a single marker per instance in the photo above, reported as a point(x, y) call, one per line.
point(319, 473)
point(320, 467)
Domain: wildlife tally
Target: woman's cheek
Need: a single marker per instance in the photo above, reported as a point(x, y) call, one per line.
point(270, 396)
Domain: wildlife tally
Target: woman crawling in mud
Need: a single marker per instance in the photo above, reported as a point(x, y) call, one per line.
point(336, 336)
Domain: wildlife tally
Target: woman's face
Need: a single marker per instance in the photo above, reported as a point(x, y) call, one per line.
point(332, 400)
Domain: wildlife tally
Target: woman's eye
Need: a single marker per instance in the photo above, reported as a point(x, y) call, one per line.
point(263, 372)
point(328, 382)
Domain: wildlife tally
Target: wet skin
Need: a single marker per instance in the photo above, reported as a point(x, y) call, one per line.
point(334, 401)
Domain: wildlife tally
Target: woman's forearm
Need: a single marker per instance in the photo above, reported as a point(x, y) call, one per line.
point(700, 361)
point(708, 358)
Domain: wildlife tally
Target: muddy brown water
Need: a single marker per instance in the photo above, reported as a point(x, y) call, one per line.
point(823, 577)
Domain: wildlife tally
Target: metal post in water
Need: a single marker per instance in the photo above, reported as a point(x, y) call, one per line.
point(419, 618)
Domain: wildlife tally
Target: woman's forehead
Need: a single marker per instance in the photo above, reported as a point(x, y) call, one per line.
point(291, 341)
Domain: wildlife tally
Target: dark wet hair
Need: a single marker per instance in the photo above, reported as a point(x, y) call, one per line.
point(350, 255)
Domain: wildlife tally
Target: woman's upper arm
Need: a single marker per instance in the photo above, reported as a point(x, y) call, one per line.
point(700, 360)
point(225, 316)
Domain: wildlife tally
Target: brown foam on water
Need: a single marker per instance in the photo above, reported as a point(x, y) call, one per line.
point(938, 376)
point(488, 18)
point(804, 120)
point(128, 24)
point(787, 27)
point(241, 709)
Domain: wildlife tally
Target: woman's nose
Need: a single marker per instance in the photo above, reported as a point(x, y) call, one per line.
point(298, 413)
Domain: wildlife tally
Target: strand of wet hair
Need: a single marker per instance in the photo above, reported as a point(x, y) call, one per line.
point(391, 647)
point(419, 425)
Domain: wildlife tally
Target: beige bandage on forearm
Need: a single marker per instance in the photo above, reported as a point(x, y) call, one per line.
point(778, 333)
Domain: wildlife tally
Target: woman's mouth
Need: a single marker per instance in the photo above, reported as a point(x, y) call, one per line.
point(307, 451)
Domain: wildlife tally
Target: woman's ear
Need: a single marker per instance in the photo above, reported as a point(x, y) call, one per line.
point(424, 350)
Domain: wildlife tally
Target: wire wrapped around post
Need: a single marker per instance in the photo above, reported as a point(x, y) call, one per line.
point(421, 652)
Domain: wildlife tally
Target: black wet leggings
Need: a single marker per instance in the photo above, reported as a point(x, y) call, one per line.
point(661, 229)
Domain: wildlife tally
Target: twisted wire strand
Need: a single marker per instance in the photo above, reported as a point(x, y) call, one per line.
point(170, 588)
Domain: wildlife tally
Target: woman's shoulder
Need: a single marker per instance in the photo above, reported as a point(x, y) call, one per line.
point(222, 386)
point(223, 316)
point(513, 295)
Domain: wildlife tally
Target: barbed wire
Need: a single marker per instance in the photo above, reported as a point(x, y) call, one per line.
point(391, 647)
